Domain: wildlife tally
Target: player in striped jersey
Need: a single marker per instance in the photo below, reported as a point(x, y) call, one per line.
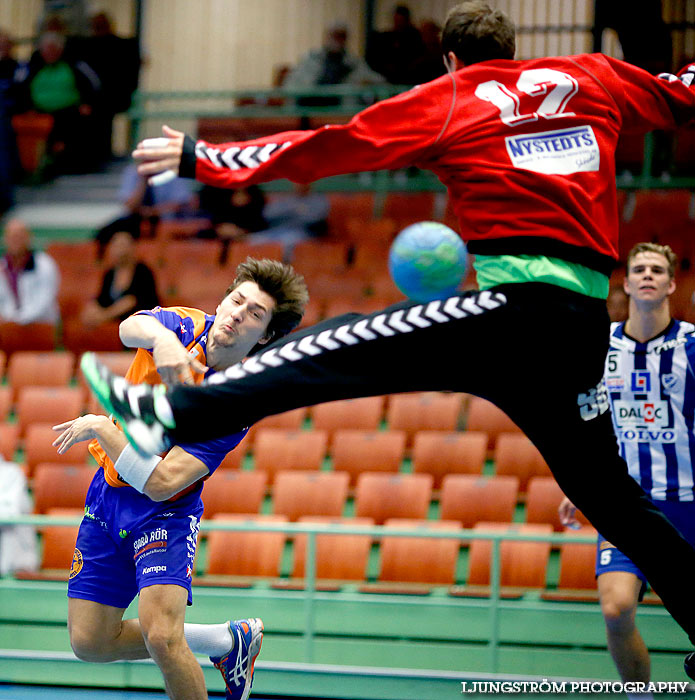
point(651, 384)
point(139, 533)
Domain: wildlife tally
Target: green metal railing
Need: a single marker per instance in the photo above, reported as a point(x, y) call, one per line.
point(310, 580)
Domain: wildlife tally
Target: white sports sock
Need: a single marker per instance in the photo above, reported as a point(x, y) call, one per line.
point(211, 640)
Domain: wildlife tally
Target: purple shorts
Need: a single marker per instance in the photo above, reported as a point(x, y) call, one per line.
point(118, 551)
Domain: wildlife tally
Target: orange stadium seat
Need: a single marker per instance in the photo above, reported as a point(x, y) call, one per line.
point(358, 451)
point(354, 550)
point(278, 450)
point(344, 206)
point(289, 420)
point(38, 448)
point(348, 414)
point(57, 547)
point(235, 458)
point(419, 559)
point(367, 231)
point(645, 212)
point(47, 404)
point(515, 454)
point(80, 281)
point(440, 453)
point(543, 498)
point(383, 496)
point(522, 564)
point(234, 491)
point(423, 411)
point(5, 402)
point(577, 579)
point(239, 251)
point(77, 338)
point(340, 306)
point(319, 255)
point(60, 485)
point(348, 285)
point(472, 499)
point(371, 255)
point(39, 369)
point(9, 440)
point(208, 281)
point(409, 207)
point(485, 417)
point(35, 337)
point(245, 553)
point(297, 494)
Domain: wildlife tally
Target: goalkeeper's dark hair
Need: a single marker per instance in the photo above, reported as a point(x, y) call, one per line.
point(283, 284)
point(475, 32)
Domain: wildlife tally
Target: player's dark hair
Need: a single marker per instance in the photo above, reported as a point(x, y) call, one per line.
point(664, 250)
point(281, 282)
point(475, 32)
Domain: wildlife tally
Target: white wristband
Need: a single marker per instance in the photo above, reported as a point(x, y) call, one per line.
point(134, 468)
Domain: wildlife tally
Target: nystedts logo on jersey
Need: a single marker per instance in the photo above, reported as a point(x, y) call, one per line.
point(560, 152)
point(593, 403)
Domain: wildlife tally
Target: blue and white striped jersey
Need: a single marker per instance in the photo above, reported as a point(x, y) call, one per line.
point(652, 393)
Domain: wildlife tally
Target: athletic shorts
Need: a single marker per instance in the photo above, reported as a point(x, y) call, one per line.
point(120, 550)
point(608, 558)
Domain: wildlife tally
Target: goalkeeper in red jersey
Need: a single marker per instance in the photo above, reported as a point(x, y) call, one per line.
point(526, 150)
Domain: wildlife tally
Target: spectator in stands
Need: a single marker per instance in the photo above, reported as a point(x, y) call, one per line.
point(294, 217)
point(67, 90)
point(332, 64)
point(145, 204)
point(29, 279)
point(128, 284)
point(395, 53)
point(430, 65)
point(18, 544)
point(644, 36)
point(233, 213)
point(116, 61)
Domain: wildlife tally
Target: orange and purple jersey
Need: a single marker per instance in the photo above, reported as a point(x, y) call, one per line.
point(191, 326)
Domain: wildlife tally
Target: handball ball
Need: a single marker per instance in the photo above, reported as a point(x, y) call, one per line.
point(427, 261)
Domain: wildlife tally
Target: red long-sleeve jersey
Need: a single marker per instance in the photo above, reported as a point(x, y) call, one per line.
point(525, 148)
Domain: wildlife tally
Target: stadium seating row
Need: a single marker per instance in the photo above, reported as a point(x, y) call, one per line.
point(464, 498)
point(353, 452)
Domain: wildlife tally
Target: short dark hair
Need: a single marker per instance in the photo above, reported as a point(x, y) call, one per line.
point(281, 282)
point(475, 32)
point(664, 250)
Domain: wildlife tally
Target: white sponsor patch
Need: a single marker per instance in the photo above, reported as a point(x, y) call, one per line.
point(641, 413)
point(560, 152)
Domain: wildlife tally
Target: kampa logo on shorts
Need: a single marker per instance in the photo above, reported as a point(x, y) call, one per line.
point(560, 152)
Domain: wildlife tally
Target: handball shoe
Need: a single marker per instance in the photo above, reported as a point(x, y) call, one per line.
point(132, 405)
point(237, 666)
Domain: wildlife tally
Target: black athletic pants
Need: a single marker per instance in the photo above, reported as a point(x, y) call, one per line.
point(535, 350)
